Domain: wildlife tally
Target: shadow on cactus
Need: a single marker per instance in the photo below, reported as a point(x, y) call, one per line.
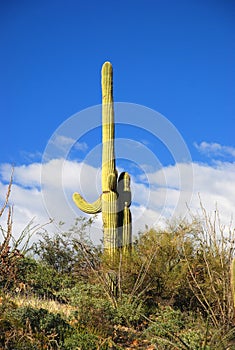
point(115, 200)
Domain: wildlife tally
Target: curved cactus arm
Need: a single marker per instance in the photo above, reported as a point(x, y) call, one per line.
point(89, 208)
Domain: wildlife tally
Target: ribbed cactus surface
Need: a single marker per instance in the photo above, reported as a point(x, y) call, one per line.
point(115, 199)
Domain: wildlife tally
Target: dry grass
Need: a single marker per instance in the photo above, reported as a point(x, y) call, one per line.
point(35, 302)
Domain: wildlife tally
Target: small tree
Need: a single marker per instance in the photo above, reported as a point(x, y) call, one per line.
point(10, 252)
point(68, 251)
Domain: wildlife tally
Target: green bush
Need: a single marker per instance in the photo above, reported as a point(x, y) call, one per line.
point(93, 309)
point(41, 321)
point(64, 251)
point(84, 340)
point(29, 328)
point(81, 340)
point(41, 279)
point(129, 311)
point(172, 329)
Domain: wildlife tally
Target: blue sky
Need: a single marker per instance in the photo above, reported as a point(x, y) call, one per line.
point(176, 57)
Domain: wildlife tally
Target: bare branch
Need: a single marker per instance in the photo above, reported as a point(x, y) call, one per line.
point(7, 194)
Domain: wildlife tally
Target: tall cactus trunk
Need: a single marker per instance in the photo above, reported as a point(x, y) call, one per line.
point(115, 199)
point(109, 173)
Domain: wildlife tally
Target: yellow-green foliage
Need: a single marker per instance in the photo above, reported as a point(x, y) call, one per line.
point(233, 280)
point(116, 196)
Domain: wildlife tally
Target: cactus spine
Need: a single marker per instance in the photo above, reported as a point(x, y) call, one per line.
point(115, 199)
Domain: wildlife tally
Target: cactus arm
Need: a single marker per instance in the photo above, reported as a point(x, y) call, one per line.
point(89, 208)
point(124, 213)
point(126, 229)
point(124, 190)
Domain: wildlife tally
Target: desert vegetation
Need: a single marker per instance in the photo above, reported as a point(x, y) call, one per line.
point(172, 292)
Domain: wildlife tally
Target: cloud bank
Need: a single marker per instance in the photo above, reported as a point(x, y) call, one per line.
point(43, 191)
point(215, 149)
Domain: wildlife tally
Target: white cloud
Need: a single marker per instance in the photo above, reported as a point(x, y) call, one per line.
point(43, 191)
point(215, 185)
point(25, 175)
point(168, 192)
point(66, 143)
point(31, 156)
point(81, 146)
point(27, 206)
point(215, 149)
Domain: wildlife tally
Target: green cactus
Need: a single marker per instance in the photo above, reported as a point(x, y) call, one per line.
point(115, 199)
point(124, 213)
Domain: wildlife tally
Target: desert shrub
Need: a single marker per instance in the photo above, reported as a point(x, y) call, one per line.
point(40, 279)
point(81, 340)
point(186, 266)
point(208, 271)
point(93, 309)
point(129, 311)
point(6, 325)
point(29, 328)
point(156, 271)
point(55, 251)
point(172, 329)
point(41, 321)
point(11, 250)
point(85, 340)
point(70, 253)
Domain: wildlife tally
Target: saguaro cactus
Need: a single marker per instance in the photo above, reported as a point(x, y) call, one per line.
point(115, 200)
